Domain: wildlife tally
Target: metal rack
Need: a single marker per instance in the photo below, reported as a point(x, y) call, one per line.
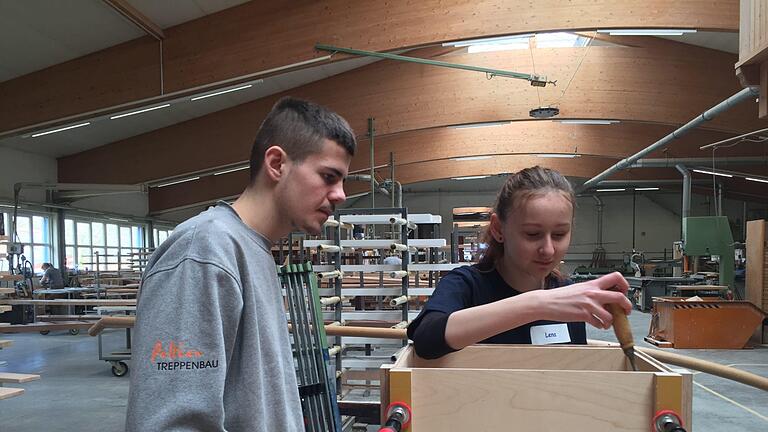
point(342, 266)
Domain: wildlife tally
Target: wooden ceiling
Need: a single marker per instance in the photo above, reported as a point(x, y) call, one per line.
point(650, 85)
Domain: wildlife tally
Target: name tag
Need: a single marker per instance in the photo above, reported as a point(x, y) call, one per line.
point(550, 334)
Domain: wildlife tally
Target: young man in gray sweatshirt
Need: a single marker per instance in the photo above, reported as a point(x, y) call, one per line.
point(211, 350)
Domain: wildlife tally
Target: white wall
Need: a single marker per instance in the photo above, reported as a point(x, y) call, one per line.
point(18, 166)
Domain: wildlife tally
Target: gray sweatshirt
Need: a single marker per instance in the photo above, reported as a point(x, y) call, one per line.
point(211, 350)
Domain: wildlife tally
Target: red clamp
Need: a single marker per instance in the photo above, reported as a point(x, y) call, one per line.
point(667, 421)
point(398, 417)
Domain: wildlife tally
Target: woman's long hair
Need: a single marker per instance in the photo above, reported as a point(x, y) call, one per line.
point(517, 189)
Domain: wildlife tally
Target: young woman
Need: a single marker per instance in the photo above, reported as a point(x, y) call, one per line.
point(515, 294)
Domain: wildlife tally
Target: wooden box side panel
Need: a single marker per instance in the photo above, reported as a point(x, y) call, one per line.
point(528, 357)
point(757, 267)
point(495, 400)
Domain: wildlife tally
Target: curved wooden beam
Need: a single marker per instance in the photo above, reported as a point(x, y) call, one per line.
point(627, 83)
point(258, 36)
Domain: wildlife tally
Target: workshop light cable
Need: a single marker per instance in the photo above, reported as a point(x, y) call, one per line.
point(586, 51)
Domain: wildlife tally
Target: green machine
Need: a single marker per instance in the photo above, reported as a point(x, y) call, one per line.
point(711, 235)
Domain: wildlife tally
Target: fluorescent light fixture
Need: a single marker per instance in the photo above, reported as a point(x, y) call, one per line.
point(471, 158)
point(501, 40)
point(756, 179)
point(588, 122)
point(647, 32)
point(139, 111)
point(222, 92)
point(647, 189)
point(469, 177)
point(118, 219)
point(478, 125)
point(178, 181)
point(711, 173)
point(60, 129)
point(610, 190)
point(558, 155)
point(231, 170)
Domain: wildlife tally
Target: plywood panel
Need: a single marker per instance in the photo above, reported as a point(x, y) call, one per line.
point(534, 400)
point(529, 357)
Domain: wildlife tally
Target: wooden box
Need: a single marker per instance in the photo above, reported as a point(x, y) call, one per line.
point(541, 388)
point(705, 323)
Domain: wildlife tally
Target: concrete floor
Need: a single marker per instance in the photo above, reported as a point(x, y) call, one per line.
point(79, 392)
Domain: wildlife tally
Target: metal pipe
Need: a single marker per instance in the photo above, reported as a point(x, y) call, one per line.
point(744, 94)
point(686, 206)
point(719, 198)
point(599, 204)
point(705, 161)
point(536, 80)
point(371, 131)
point(392, 175)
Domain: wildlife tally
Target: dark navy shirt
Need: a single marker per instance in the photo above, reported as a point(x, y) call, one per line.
point(468, 286)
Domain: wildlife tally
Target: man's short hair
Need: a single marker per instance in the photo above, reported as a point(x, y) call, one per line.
point(299, 127)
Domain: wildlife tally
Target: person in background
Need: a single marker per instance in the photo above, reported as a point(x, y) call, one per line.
point(515, 294)
point(51, 278)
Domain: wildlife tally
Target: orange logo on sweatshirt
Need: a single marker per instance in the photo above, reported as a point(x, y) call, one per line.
point(175, 351)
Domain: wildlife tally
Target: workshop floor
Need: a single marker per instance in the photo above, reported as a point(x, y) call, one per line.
point(79, 392)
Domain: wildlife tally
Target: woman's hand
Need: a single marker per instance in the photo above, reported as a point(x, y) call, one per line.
point(585, 301)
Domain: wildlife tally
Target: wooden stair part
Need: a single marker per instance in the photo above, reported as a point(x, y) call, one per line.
point(9, 392)
point(17, 378)
point(44, 326)
point(5, 343)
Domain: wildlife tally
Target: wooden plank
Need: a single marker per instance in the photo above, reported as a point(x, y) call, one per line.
point(5, 343)
point(17, 378)
point(9, 392)
point(7, 290)
point(489, 400)
point(5, 308)
point(756, 280)
point(589, 358)
point(44, 326)
point(71, 302)
point(10, 277)
point(68, 317)
point(135, 16)
point(668, 392)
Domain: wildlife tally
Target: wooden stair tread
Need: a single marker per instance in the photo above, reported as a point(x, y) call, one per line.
point(9, 392)
point(17, 378)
